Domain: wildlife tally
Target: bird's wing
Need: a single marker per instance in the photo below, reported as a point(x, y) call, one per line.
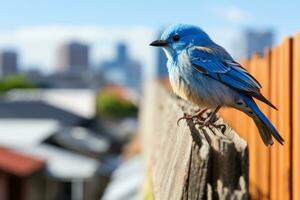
point(204, 58)
point(217, 66)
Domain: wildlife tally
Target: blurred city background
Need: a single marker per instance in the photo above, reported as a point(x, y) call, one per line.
point(72, 76)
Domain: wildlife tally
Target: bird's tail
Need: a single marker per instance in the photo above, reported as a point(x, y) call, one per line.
point(265, 127)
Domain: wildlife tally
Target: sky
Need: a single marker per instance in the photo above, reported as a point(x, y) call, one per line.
point(35, 28)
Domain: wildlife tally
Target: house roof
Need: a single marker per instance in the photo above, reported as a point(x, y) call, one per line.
point(20, 133)
point(63, 164)
point(38, 110)
point(81, 102)
point(82, 140)
point(18, 164)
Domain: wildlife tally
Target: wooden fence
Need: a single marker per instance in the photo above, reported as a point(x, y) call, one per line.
point(183, 164)
point(274, 172)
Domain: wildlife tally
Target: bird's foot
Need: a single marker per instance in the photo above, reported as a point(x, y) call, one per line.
point(210, 123)
point(198, 116)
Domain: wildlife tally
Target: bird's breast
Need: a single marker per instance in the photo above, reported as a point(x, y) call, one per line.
point(182, 85)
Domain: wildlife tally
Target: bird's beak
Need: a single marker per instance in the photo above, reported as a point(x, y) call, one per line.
point(159, 43)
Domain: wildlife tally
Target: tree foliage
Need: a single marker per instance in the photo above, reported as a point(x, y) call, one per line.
point(112, 105)
point(14, 82)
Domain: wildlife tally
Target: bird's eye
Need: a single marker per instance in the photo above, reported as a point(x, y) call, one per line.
point(176, 38)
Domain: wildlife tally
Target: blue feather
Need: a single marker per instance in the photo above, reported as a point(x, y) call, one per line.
point(223, 71)
point(264, 125)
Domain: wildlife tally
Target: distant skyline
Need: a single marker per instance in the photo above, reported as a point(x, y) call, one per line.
point(37, 28)
point(73, 57)
point(257, 42)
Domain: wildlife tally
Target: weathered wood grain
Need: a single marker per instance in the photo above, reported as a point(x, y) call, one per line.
point(181, 162)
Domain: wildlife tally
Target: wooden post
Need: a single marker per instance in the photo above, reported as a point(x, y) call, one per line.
point(181, 162)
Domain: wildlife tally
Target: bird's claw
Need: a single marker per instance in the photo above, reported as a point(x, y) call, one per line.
point(197, 115)
point(210, 122)
point(181, 118)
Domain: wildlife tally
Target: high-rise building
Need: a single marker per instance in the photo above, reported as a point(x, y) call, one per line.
point(122, 70)
point(8, 63)
point(133, 72)
point(74, 57)
point(161, 62)
point(122, 54)
point(257, 41)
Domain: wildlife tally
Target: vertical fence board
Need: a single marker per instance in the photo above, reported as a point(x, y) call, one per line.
point(252, 142)
point(281, 170)
point(263, 183)
point(284, 112)
point(296, 118)
point(274, 119)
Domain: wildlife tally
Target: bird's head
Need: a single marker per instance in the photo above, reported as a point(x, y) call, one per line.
point(180, 36)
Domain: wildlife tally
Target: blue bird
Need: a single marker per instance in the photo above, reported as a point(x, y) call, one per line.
point(204, 73)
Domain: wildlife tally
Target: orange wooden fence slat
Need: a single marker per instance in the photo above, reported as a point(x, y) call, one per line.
point(296, 118)
point(274, 119)
point(263, 160)
point(284, 110)
point(252, 142)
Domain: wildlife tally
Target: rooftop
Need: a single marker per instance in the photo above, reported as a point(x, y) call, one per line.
point(18, 164)
point(26, 132)
point(63, 164)
point(38, 110)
